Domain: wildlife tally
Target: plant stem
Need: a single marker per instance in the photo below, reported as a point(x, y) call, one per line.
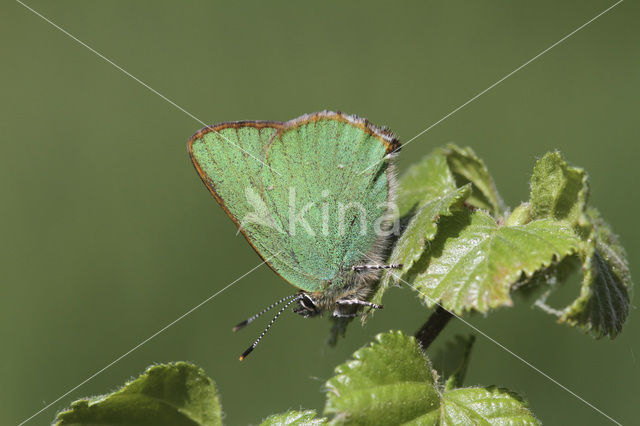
point(434, 325)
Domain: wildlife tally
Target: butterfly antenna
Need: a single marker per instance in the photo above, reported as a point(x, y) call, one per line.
point(267, 309)
point(254, 344)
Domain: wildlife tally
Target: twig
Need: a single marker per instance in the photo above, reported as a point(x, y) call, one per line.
point(434, 325)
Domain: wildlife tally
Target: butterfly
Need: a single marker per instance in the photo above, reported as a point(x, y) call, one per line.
point(313, 196)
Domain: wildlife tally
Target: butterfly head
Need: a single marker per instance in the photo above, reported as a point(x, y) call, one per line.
point(308, 305)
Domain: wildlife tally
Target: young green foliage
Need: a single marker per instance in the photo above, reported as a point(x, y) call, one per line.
point(420, 231)
point(558, 191)
point(473, 262)
point(561, 192)
point(422, 182)
point(484, 405)
point(294, 418)
point(391, 382)
point(466, 167)
point(477, 268)
point(435, 187)
point(603, 304)
point(458, 248)
point(166, 394)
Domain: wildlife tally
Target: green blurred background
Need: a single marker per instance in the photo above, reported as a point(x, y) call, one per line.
point(108, 234)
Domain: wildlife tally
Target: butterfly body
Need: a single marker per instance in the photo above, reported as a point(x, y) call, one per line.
point(311, 195)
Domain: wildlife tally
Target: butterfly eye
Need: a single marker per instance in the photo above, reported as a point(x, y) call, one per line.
point(307, 303)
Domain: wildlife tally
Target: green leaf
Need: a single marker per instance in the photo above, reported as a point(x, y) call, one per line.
point(423, 181)
point(420, 231)
point(391, 382)
point(561, 192)
point(166, 394)
point(473, 262)
point(306, 418)
point(452, 361)
point(485, 406)
point(423, 226)
point(603, 304)
point(547, 280)
point(521, 215)
point(557, 190)
point(467, 167)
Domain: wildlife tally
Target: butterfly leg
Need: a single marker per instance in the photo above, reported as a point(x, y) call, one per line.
point(359, 268)
point(357, 302)
point(347, 308)
point(338, 314)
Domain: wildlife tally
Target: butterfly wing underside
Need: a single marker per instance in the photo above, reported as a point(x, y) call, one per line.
point(300, 191)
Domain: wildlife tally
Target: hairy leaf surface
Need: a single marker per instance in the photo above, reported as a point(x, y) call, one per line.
point(391, 382)
point(167, 394)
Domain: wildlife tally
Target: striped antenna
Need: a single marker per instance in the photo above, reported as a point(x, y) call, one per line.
point(293, 298)
point(267, 309)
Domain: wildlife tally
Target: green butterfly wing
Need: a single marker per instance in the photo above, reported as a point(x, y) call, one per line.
point(302, 192)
